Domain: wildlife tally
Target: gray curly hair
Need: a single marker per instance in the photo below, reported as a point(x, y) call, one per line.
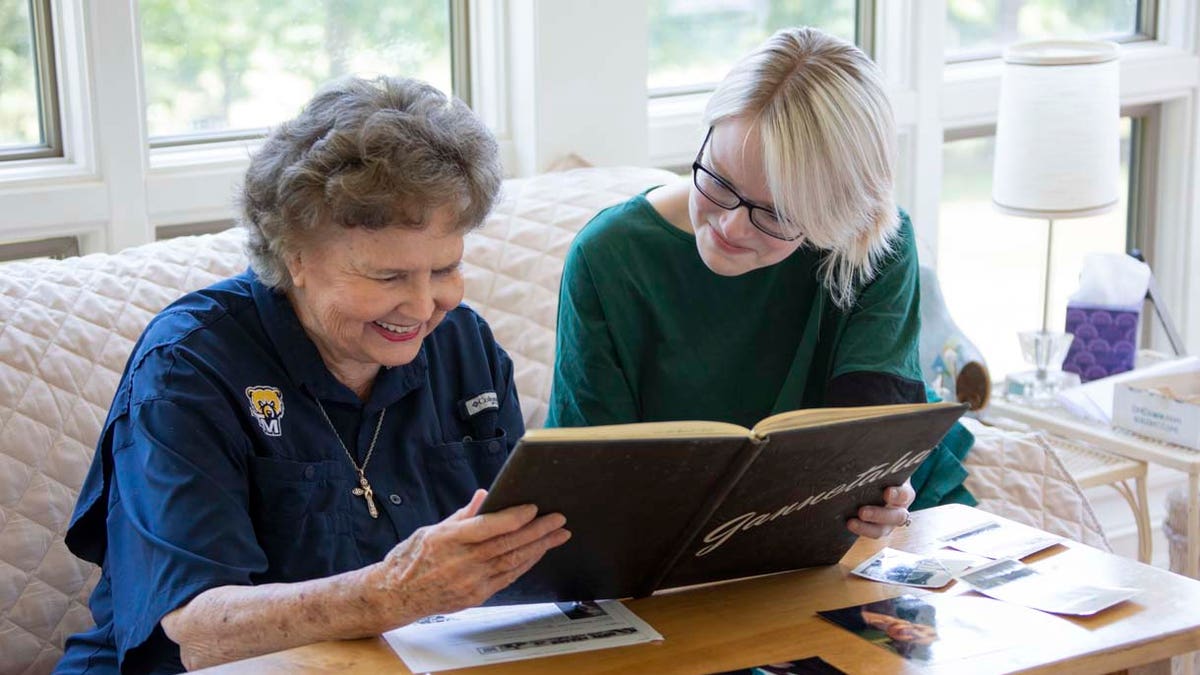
point(365, 153)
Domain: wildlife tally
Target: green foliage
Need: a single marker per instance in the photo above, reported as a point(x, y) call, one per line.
point(19, 120)
point(692, 44)
point(216, 64)
point(990, 24)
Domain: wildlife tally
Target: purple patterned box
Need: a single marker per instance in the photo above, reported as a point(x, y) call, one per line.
point(1105, 341)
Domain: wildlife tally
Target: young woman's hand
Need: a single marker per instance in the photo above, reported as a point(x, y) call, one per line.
point(879, 521)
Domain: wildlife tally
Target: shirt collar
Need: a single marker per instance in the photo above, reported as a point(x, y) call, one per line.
point(307, 369)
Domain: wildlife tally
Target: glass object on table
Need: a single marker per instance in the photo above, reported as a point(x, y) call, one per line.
point(1045, 350)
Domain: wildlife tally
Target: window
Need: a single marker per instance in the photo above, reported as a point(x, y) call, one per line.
point(981, 28)
point(693, 43)
point(990, 265)
point(28, 99)
point(56, 248)
point(225, 69)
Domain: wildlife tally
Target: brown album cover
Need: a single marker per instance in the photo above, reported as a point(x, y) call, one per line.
point(664, 504)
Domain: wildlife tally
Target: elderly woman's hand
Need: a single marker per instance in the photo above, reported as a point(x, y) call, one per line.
point(465, 559)
point(879, 521)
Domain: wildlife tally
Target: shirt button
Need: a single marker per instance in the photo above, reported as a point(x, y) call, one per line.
point(395, 499)
point(494, 446)
point(309, 472)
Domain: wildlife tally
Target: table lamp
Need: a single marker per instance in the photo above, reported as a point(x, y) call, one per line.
point(1057, 156)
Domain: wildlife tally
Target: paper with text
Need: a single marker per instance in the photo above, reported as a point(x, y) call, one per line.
point(1014, 581)
point(485, 635)
point(997, 540)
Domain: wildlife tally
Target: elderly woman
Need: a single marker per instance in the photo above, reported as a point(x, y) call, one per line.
point(295, 454)
point(779, 275)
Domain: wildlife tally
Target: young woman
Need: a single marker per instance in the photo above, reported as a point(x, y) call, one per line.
point(780, 275)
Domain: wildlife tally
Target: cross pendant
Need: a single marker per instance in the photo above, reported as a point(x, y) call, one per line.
point(367, 494)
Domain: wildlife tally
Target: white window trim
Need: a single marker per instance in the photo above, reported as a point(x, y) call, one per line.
point(197, 183)
point(109, 189)
point(1164, 72)
point(931, 98)
point(61, 196)
point(548, 91)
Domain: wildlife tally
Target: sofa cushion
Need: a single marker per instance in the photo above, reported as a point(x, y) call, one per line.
point(66, 330)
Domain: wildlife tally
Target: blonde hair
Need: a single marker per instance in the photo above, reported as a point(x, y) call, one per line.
point(829, 146)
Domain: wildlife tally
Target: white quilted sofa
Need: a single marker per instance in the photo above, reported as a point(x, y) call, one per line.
point(66, 329)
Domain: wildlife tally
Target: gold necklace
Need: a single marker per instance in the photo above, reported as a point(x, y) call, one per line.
point(364, 488)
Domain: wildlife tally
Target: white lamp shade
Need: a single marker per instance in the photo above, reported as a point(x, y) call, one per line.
point(1058, 130)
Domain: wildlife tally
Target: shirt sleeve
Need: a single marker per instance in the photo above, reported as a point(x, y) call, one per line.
point(882, 331)
point(877, 363)
point(590, 387)
point(869, 388)
point(178, 511)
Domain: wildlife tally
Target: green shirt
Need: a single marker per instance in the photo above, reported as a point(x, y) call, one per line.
point(646, 332)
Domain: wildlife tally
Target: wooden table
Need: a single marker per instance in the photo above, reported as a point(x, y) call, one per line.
point(770, 619)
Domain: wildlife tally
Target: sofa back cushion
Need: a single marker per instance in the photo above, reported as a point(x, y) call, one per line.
point(514, 262)
point(66, 330)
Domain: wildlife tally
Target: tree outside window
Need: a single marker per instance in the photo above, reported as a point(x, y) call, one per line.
point(225, 67)
point(982, 28)
point(693, 43)
point(20, 118)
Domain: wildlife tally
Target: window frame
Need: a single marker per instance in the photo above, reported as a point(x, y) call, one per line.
point(1143, 159)
point(1141, 187)
point(111, 190)
point(460, 51)
point(45, 75)
point(56, 248)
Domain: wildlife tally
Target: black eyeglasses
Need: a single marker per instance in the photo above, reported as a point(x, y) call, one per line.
point(720, 192)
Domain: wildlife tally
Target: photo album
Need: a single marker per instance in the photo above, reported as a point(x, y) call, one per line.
point(665, 504)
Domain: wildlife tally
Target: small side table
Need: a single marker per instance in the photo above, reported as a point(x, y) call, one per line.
point(1097, 458)
point(1130, 446)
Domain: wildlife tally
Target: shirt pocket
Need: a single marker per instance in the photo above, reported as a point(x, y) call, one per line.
point(298, 509)
point(457, 469)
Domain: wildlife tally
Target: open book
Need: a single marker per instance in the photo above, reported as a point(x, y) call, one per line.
point(663, 504)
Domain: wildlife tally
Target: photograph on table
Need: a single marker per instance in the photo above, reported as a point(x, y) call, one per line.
point(813, 665)
point(900, 567)
point(940, 629)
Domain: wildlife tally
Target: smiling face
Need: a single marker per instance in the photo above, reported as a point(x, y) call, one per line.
point(367, 298)
point(728, 243)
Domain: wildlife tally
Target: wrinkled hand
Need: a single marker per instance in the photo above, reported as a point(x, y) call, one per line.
point(463, 560)
point(879, 521)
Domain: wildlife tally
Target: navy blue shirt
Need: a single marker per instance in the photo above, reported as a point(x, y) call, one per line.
point(216, 466)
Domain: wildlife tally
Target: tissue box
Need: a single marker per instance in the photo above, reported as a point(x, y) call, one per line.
point(1105, 341)
point(1166, 408)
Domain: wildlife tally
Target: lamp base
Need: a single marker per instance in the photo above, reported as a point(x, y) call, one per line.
point(1038, 388)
